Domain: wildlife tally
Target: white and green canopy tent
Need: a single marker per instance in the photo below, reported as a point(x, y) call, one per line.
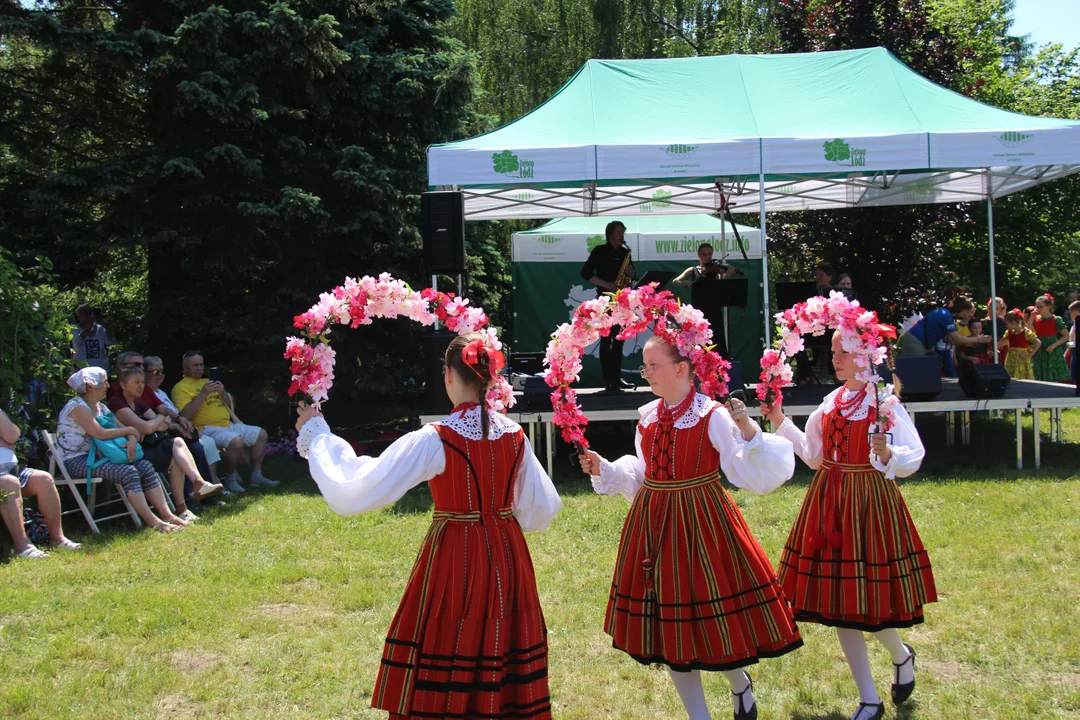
point(845, 129)
point(548, 287)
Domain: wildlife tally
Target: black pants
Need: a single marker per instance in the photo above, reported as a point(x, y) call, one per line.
point(611, 358)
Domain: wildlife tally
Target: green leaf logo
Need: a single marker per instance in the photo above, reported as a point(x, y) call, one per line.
point(594, 242)
point(1014, 139)
point(659, 198)
point(549, 239)
point(505, 162)
point(837, 150)
point(678, 151)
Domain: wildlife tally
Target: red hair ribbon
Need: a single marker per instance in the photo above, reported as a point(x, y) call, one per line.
point(1048, 295)
point(470, 355)
point(887, 331)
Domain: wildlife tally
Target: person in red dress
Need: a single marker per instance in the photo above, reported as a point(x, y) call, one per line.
point(468, 639)
point(692, 587)
point(854, 560)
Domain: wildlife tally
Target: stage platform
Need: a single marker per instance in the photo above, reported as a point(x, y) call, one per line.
point(1023, 395)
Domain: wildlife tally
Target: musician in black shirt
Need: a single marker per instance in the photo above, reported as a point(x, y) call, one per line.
point(700, 279)
point(602, 270)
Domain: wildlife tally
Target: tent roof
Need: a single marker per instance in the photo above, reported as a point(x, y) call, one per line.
point(699, 223)
point(833, 129)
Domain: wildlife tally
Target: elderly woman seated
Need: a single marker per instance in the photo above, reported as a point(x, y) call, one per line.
point(15, 484)
point(78, 424)
point(167, 454)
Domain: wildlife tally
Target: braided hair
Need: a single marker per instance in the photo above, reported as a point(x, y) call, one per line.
point(477, 376)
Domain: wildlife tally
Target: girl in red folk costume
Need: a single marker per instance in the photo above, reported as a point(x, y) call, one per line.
point(854, 560)
point(692, 588)
point(469, 639)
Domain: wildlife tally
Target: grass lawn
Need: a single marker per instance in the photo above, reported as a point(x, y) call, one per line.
point(274, 607)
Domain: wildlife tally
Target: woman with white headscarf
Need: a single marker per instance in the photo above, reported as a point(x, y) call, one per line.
point(78, 424)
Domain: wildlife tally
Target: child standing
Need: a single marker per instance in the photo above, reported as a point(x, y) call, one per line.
point(693, 589)
point(854, 560)
point(1022, 344)
point(1048, 363)
point(469, 638)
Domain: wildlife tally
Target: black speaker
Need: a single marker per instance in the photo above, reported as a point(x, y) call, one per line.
point(984, 381)
point(536, 395)
point(436, 402)
point(442, 225)
point(920, 377)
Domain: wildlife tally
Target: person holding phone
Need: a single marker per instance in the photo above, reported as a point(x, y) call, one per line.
point(90, 337)
point(205, 402)
point(692, 588)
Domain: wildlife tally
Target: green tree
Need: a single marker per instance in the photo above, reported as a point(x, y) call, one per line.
point(256, 151)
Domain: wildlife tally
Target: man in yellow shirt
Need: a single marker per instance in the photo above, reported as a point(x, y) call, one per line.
point(209, 407)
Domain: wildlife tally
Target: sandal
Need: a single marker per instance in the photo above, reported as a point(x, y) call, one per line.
point(32, 553)
point(66, 544)
point(874, 711)
point(207, 490)
point(741, 713)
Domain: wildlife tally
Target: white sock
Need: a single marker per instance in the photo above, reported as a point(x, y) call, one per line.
point(853, 644)
point(892, 642)
point(688, 685)
point(740, 681)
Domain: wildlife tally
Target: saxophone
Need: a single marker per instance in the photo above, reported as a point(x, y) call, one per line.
point(624, 278)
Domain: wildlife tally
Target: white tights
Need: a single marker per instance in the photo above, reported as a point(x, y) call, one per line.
point(853, 643)
point(692, 694)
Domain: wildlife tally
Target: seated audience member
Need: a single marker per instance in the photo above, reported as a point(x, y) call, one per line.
point(14, 485)
point(155, 375)
point(974, 354)
point(77, 424)
point(1074, 356)
point(209, 406)
point(167, 454)
point(90, 337)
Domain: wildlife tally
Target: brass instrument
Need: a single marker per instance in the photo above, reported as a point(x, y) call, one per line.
point(625, 277)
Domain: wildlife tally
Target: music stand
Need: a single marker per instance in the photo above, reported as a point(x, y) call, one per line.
point(729, 292)
point(660, 277)
point(790, 293)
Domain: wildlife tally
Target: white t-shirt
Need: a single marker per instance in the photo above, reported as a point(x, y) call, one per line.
point(91, 349)
point(8, 461)
point(165, 399)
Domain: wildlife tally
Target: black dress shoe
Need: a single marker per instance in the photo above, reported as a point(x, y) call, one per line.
point(900, 693)
point(626, 385)
point(741, 713)
point(877, 710)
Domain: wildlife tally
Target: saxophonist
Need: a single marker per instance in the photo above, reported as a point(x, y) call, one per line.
point(610, 269)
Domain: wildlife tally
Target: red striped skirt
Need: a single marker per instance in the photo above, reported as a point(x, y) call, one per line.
point(853, 558)
point(692, 587)
point(469, 639)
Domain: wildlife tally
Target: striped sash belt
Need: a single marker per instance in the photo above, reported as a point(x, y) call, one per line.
point(485, 517)
point(670, 485)
point(827, 534)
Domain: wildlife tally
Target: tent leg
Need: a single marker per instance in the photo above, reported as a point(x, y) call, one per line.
point(993, 277)
point(764, 263)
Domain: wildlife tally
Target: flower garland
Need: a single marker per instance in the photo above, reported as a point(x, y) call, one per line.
point(358, 301)
point(682, 326)
point(860, 334)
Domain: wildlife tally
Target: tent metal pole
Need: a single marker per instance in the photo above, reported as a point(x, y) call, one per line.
point(993, 276)
point(764, 262)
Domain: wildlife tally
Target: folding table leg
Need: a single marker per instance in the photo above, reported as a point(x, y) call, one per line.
point(1035, 426)
point(1019, 439)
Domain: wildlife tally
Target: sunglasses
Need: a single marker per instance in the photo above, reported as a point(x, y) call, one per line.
point(191, 353)
point(155, 373)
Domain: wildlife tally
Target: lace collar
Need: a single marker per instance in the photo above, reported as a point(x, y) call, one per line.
point(860, 413)
point(467, 424)
point(698, 409)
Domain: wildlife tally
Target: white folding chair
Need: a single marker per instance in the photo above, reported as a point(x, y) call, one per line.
point(65, 479)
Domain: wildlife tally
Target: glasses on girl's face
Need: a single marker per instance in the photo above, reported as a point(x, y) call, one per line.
point(649, 369)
